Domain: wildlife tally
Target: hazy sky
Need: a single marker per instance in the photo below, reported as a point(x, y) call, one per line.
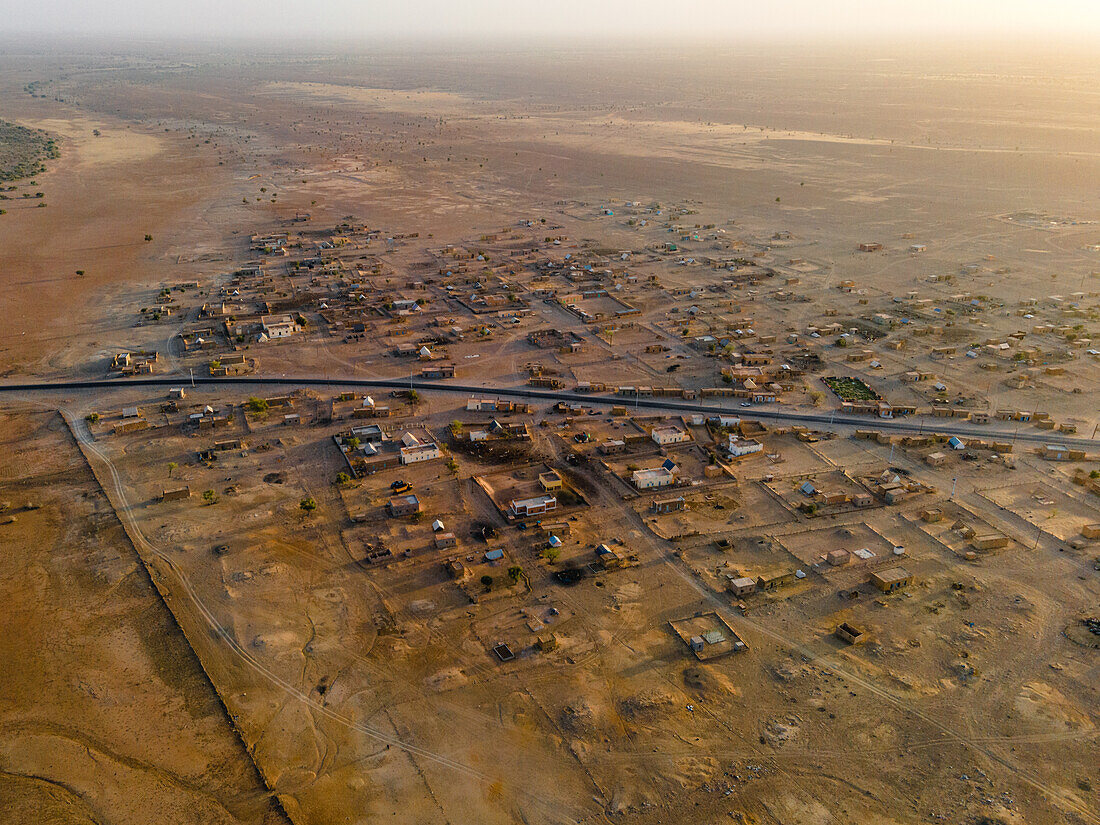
point(374, 19)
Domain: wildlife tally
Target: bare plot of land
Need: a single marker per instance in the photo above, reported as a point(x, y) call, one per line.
point(856, 539)
point(1043, 506)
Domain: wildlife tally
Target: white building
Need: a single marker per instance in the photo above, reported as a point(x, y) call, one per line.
point(726, 420)
point(420, 452)
point(532, 506)
point(278, 326)
point(743, 446)
point(669, 435)
point(652, 479)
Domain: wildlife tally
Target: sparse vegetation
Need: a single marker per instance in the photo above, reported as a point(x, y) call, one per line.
point(849, 388)
point(23, 151)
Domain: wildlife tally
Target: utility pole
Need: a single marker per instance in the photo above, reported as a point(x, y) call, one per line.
point(954, 481)
point(192, 369)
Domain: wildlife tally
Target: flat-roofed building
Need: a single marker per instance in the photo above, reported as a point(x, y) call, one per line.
point(537, 505)
point(653, 479)
point(403, 505)
point(278, 326)
point(669, 435)
point(668, 505)
point(420, 452)
point(743, 446)
point(891, 579)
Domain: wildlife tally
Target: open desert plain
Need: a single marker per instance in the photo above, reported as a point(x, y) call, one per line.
point(549, 433)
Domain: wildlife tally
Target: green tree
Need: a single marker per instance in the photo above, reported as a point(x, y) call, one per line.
point(256, 405)
point(92, 417)
point(354, 443)
point(307, 505)
point(209, 496)
point(551, 554)
point(148, 237)
point(172, 468)
point(342, 478)
point(414, 397)
point(515, 572)
point(487, 580)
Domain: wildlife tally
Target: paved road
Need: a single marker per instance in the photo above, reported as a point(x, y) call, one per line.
point(913, 424)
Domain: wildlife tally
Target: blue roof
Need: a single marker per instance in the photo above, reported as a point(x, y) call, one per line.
point(493, 555)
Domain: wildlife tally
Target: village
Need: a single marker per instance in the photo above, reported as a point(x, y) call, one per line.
point(470, 537)
point(706, 316)
point(559, 431)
